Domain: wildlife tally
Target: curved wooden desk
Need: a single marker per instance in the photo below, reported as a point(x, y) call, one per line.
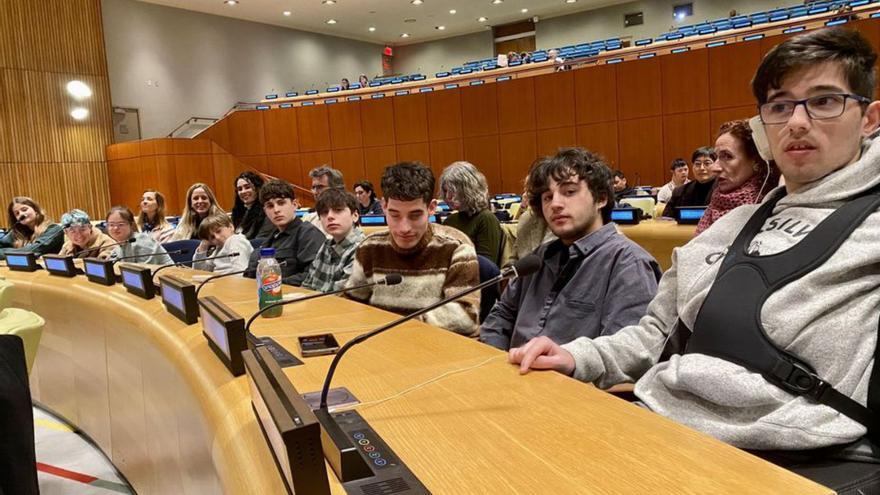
point(147, 388)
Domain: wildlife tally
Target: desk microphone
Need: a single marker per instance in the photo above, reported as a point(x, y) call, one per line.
point(184, 251)
point(524, 267)
point(390, 279)
point(130, 240)
point(179, 251)
point(215, 277)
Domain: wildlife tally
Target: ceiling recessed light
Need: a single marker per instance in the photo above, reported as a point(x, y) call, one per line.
point(482, 19)
point(441, 28)
point(416, 2)
point(79, 113)
point(496, 2)
point(331, 21)
point(570, 1)
point(227, 2)
point(286, 13)
point(409, 21)
point(79, 89)
point(371, 28)
point(328, 2)
point(453, 11)
point(404, 35)
point(524, 10)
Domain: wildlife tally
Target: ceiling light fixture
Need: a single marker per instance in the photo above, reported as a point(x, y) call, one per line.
point(371, 28)
point(453, 11)
point(404, 35)
point(286, 13)
point(440, 28)
point(331, 21)
point(417, 2)
point(496, 2)
point(482, 19)
point(328, 2)
point(231, 2)
point(524, 10)
point(79, 113)
point(79, 89)
point(570, 1)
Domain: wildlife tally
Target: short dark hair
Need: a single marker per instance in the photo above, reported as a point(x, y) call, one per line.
point(703, 151)
point(844, 46)
point(334, 198)
point(407, 181)
point(587, 166)
point(619, 174)
point(276, 188)
point(367, 186)
point(334, 176)
point(678, 162)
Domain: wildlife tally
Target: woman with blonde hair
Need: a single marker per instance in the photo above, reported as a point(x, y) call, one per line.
point(200, 204)
point(152, 217)
point(465, 189)
point(30, 229)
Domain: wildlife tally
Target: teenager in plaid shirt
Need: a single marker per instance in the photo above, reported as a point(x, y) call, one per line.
point(332, 266)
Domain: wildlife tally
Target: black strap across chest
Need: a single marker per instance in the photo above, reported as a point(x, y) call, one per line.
point(729, 325)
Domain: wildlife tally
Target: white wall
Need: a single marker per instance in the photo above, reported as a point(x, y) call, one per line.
point(441, 55)
point(201, 65)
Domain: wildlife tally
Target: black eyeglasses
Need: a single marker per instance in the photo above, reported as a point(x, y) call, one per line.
point(819, 107)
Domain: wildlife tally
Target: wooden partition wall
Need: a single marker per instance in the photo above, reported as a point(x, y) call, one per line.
point(44, 152)
point(639, 114)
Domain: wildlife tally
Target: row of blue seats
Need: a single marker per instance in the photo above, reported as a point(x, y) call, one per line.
point(382, 81)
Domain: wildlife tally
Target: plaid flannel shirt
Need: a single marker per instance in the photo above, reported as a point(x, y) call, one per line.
point(333, 263)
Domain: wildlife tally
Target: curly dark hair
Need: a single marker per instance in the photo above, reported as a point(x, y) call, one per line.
point(276, 188)
point(335, 198)
point(407, 181)
point(587, 166)
point(367, 186)
point(241, 216)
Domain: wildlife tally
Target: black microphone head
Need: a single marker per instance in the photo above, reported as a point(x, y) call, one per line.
point(131, 240)
point(527, 265)
point(393, 279)
point(233, 255)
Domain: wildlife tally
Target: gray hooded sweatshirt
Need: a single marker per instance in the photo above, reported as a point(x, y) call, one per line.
point(828, 318)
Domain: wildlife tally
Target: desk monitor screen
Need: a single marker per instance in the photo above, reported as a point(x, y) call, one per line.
point(22, 262)
point(689, 214)
point(100, 271)
point(625, 216)
point(179, 298)
point(59, 265)
point(137, 280)
point(224, 329)
point(373, 220)
point(290, 427)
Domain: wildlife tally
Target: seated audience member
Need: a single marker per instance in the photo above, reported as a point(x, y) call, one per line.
point(679, 170)
point(512, 57)
point(621, 188)
point(121, 227)
point(344, 85)
point(30, 229)
point(84, 240)
point(698, 191)
point(525, 57)
point(817, 234)
point(152, 217)
point(200, 204)
point(593, 281)
point(464, 189)
point(333, 264)
point(363, 80)
point(368, 203)
point(295, 241)
point(531, 229)
point(219, 239)
point(323, 178)
point(435, 261)
point(248, 217)
point(742, 177)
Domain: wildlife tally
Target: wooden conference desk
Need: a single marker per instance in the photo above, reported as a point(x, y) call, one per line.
point(147, 388)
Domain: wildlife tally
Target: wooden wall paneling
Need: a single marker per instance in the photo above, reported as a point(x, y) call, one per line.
point(308, 161)
point(133, 149)
point(484, 152)
point(641, 150)
point(280, 128)
point(769, 42)
point(286, 167)
point(516, 105)
point(167, 184)
point(189, 169)
point(147, 147)
point(246, 133)
point(345, 125)
point(444, 114)
point(685, 87)
point(479, 110)
point(682, 134)
point(638, 91)
point(410, 119)
point(257, 162)
point(126, 183)
point(351, 163)
point(731, 69)
point(226, 170)
point(554, 100)
point(518, 152)
point(595, 94)
point(550, 140)
point(314, 128)
point(377, 122)
point(219, 133)
point(163, 146)
point(376, 158)
point(92, 185)
point(190, 146)
point(718, 117)
point(444, 153)
point(414, 152)
point(600, 138)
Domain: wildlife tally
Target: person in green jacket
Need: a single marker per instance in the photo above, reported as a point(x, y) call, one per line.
point(30, 229)
point(464, 188)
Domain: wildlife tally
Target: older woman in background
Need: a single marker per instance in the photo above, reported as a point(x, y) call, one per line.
point(200, 204)
point(30, 229)
point(742, 176)
point(121, 226)
point(465, 189)
point(248, 217)
point(84, 240)
point(152, 217)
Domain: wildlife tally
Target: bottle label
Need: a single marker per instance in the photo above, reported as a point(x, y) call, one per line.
point(272, 284)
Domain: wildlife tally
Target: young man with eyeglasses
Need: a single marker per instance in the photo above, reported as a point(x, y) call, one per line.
point(781, 298)
point(698, 191)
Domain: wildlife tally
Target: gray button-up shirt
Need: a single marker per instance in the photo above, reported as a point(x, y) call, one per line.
point(598, 285)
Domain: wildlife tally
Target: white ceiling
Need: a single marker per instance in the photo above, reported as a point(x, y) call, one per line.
point(355, 17)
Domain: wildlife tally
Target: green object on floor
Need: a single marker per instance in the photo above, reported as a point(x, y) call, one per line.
point(28, 326)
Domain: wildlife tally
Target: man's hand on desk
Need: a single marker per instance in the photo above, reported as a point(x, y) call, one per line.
point(541, 353)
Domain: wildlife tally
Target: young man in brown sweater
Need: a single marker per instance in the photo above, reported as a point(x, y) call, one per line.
point(435, 261)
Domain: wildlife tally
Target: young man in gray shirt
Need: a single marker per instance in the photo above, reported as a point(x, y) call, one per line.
point(594, 281)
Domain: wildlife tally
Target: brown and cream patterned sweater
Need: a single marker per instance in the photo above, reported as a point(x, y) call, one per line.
point(441, 264)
